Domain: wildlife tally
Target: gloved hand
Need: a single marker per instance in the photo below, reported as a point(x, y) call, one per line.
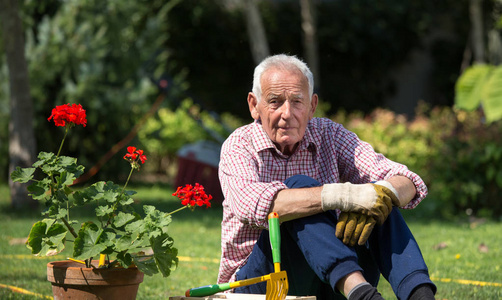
point(354, 228)
point(371, 199)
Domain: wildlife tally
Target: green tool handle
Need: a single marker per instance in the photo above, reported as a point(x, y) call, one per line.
point(207, 290)
point(275, 239)
point(215, 288)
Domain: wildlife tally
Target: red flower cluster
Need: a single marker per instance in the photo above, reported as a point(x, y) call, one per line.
point(193, 195)
point(68, 113)
point(134, 154)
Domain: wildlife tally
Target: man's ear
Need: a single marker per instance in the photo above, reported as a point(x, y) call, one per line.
point(253, 103)
point(313, 105)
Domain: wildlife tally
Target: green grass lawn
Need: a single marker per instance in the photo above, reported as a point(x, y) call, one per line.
point(461, 269)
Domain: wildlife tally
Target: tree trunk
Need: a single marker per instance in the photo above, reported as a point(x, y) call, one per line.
point(478, 44)
point(256, 31)
point(310, 39)
point(22, 143)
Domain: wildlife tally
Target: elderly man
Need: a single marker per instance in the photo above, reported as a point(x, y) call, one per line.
point(336, 197)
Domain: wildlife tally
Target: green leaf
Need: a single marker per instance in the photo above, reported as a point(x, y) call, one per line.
point(108, 238)
point(87, 243)
point(492, 96)
point(83, 196)
point(149, 209)
point(165, 254)
point(124, 200)
point(60, 196)
point(137, 227)
point(103, 210)
point(122, 218)
point(46, 238)
point(64, 179)
point(125, 259)
point(51, 210)
point(38, 190)
point(44, 158)
point(47, 163)
point(108, 191)
point(146, 265)
point(156, 221)
point(67, 163)
point(131, 244)
point(61, 213)
point(123, 243)
point(469, 87)
point(22, 175)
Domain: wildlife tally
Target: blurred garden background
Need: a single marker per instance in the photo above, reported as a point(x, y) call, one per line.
point(419, 80)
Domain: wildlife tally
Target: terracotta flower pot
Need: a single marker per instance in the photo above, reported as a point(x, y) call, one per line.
point(71, 281)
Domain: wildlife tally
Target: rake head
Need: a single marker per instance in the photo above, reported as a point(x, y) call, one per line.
point(277, 286)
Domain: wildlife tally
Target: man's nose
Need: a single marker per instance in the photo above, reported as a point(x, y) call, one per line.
point(286, 110)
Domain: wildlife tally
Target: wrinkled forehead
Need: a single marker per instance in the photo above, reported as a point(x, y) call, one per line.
point(290, 77)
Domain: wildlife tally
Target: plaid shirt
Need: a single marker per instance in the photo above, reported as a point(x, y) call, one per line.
point(252, 171)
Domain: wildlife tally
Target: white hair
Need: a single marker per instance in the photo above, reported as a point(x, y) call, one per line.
point(282, 61)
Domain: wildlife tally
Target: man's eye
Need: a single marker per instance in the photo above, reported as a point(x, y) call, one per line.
point(274, 102)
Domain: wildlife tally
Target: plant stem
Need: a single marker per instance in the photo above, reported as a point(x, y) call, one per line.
point(62, 142)
point(127, 181)
point(177, 210)
point(72, 231)
point(117, 203)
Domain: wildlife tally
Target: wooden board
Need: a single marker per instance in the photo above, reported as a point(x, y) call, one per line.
point(232, 296)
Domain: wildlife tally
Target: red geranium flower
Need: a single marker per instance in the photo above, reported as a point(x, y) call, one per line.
point(141, 156)
point(134, 155)
point(71, 114)
point(193, 195)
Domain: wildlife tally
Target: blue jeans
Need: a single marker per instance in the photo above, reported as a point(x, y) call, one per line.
point(315, 260)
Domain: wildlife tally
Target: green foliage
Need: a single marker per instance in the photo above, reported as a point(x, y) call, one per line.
point(481, 85)
point(455, 152)
point(467, 170)
point(393, 135)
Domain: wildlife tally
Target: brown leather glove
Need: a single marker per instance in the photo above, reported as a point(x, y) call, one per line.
point(354, 228)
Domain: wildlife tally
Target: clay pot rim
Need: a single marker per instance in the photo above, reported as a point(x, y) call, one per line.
point(73, 273)
point(69, 264)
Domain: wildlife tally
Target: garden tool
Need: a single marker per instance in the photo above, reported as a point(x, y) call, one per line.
point(277, 282)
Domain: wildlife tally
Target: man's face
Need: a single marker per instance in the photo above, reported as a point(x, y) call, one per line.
point(285, 107)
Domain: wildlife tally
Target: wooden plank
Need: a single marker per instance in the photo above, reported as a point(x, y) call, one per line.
point(232, 296)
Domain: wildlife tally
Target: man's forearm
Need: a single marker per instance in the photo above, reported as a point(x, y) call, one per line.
point(404, 187)
point(296, 203)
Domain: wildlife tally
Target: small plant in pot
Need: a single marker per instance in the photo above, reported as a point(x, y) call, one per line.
point(118, 239)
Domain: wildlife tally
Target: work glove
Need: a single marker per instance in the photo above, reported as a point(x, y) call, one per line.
point(354, 228)
point(371, 199)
